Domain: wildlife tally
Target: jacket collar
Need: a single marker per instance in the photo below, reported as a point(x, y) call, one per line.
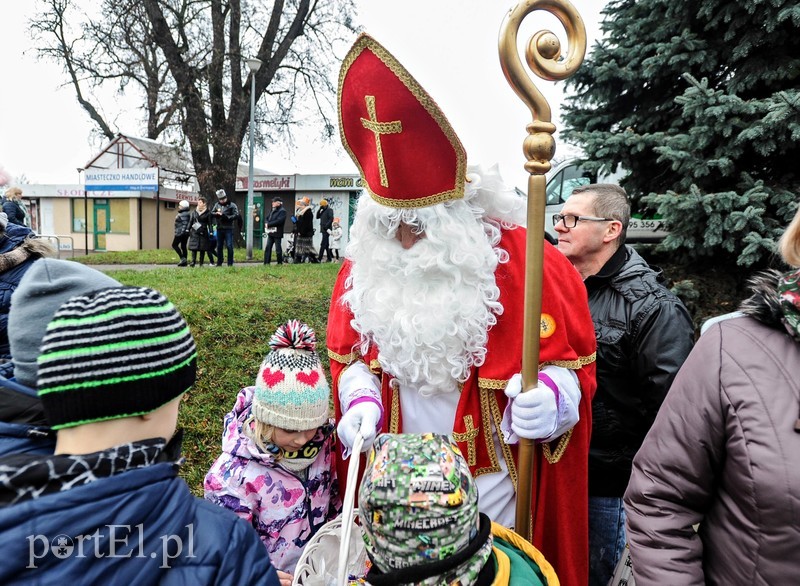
point(25, 477)
point(611, 268)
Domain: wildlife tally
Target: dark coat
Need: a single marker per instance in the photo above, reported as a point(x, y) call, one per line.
point(199, 239)
point(644, 334)
point(14, 237)
point(723, 453)
point(325, 217)
point(151, 505)
point(182, 223)
point(230, 214)
point(23, 427)
point(14, 211)
point(276, 219)
point(305, 223)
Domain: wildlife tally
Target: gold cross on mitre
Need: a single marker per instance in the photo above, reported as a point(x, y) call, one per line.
point(379, 128)
point(468, 437)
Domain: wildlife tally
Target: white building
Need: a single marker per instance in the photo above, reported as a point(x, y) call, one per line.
point(116, 210)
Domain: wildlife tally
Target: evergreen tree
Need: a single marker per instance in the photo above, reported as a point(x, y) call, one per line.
point(700, 102)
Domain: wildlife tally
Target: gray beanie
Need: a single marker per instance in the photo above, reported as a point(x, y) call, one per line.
point(44, 287)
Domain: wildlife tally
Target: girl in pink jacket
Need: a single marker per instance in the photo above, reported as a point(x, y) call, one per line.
point(276, 469)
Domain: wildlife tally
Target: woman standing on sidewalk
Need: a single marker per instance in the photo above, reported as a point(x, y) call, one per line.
point(181, 232)
point(305, 232)
point(199, 232)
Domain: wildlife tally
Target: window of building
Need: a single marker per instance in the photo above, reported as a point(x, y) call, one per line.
point(118, 221)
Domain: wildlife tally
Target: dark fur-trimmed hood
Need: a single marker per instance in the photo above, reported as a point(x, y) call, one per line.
point(764, 304)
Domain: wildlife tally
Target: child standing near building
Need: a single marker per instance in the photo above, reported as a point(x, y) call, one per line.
point(336, 236)
point(276, 469)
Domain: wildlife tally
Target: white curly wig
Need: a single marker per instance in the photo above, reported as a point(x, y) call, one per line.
point(428, 309)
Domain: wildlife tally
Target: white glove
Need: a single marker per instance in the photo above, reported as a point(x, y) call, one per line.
point(363, 417)
point(534, 414)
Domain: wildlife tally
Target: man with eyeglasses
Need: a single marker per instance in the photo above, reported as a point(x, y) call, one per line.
point(644, 333)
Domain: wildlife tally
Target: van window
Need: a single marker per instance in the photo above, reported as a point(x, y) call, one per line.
point(553, 191)
point(560, 187)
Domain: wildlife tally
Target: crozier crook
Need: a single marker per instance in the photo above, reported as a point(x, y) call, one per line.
point(543, 55)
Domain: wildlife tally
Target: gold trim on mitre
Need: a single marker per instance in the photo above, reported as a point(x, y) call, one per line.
point(364, 41)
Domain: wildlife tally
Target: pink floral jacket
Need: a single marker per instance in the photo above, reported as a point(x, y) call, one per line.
point(285, 508)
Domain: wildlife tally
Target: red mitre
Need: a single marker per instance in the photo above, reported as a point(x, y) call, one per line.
point(406, 150)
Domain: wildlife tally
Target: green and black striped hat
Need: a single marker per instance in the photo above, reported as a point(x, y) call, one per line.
point(114, 353)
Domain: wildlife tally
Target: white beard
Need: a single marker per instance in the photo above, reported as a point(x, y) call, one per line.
point(428, 309)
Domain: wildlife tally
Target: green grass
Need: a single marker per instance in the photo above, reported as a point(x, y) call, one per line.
point(161, 256)
point(232, 313)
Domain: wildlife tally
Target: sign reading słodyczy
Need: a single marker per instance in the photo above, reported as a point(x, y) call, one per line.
point(122, 179)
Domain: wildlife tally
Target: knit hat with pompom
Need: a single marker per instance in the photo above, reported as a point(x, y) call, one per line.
point(291, 390)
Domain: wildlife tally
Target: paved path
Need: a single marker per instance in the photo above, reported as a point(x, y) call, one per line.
point(124, 267)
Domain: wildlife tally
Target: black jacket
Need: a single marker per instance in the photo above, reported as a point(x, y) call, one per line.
point(276, 219)
point(644, 333)
point(325, 217)
point(199, 239)
point(14, 211)
point(182, 223)
point(18, 251)
point(230, 214)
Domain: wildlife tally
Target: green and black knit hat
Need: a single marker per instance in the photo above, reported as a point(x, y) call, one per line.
point(114, 353)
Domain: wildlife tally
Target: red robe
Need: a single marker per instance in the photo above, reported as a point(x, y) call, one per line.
point(560, 499)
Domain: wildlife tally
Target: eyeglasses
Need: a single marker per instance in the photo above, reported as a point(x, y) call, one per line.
point(570, 220)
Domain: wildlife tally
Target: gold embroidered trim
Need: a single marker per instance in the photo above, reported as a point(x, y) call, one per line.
point(364, 42)
point(579, 362)
point(486, 427)
point(377, 129)
point(375, 367)
point(497, 417)
point(494, 384)
point(343, 358)
point(469, 438)
point(554, 456)
point(420, 202)
point(394, 411)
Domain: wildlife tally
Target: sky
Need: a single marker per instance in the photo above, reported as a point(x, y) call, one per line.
point(449, 46)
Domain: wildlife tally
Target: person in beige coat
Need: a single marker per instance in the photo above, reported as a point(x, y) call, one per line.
point(724, 451)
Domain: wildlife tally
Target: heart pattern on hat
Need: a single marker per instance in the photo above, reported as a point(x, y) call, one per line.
point(309, 378)
point(272, 377)
point(291, 391)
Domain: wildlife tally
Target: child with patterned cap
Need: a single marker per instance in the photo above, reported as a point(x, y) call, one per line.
point(418, 506)
point(276, 469)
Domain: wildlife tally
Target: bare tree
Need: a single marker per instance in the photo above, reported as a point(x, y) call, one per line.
point(187, 58)
point(116, 50)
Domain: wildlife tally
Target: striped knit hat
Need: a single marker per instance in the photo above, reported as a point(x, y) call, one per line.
point(114, 353)
point(291, 390)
